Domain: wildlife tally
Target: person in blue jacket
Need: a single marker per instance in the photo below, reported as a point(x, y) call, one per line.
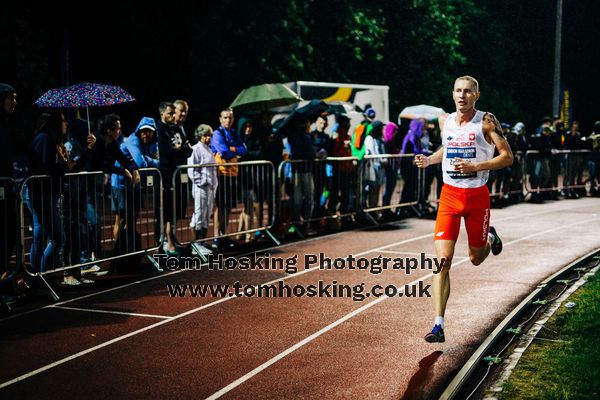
point(227, 146)
point(141, 147)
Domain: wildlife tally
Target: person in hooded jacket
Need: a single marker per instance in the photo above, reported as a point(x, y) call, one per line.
point(374, 167)
point(411, 144)
point(8, 221)
point(141, 147)
point(390, 139)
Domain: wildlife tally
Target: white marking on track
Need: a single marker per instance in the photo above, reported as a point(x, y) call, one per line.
point(93, 310)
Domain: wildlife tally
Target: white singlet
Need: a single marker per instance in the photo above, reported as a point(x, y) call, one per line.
point(468, 143)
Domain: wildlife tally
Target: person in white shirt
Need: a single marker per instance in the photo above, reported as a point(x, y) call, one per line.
point(204, 180)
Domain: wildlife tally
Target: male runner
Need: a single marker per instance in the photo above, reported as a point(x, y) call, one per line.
point(469, 137)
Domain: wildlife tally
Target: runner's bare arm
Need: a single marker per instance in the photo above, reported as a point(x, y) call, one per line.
point(493, 133)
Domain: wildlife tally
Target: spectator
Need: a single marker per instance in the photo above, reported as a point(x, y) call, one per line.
point(361, 132)
point(374, 167)
point(180, 117)
point(574, 161)
point(411, 145)
point(118, 163)
point(81, 197)
point(173, 150)
point(392, 146)
point(48, 156)
point(8, 221)
point(343, 180)
point(540, 179)
point(204, 182)
point(320, 141)
point(141, 144)
point(250, 178)
point(227, 146)
point(302, 150)
point(430, 142)
point(557, 160)
point(501, 178)
point(594, 163)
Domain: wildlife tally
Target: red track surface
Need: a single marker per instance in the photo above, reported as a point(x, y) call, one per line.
point(292, 347)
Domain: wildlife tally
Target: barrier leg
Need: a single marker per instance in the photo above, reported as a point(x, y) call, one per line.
point(154, 263)
point(52, 292)
point(273, 237)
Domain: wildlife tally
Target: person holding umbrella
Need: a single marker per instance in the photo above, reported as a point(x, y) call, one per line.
point(467, 155)
point(47, 155)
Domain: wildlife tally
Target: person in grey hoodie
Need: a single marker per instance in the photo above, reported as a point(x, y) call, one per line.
point(204, 180)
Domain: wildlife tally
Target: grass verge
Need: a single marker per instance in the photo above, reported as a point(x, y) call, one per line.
point(570, 368)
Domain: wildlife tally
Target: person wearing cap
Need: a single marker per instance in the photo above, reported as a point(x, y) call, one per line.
point(204, 181)
point(361, 132)
point(8, 222)
point(469, 139)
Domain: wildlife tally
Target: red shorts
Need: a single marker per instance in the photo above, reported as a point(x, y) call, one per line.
point(472, 204)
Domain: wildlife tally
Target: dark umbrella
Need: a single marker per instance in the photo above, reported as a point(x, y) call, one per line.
point(343, 108)
point(309, 111)
point(84, 95)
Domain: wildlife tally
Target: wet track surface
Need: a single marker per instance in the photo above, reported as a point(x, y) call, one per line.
point(137, 342)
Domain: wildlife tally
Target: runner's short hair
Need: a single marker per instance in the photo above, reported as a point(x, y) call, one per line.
point(470, 79)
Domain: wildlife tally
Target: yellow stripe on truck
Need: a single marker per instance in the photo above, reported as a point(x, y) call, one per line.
point(342, 94)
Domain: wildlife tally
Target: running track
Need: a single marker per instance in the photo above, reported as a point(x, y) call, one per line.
point(134, 341)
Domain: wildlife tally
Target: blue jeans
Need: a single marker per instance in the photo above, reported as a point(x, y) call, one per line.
point(47, 224)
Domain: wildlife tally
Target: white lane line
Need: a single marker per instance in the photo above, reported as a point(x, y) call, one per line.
point(259, 251)
point(165, 274)
point(112, 312)
point(345, 318)
point(418, 254)
point(205, 306)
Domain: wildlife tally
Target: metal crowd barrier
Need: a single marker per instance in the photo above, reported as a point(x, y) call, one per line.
point(73, 222)
point(314, 191)
point(243, 201)
point(510, 181)
point(9, 225)
point(390, 181)
point(556, 170)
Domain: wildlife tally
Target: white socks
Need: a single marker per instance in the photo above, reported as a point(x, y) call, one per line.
point(439, 321)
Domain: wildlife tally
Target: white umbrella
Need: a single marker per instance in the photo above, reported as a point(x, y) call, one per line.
point(422, 111)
